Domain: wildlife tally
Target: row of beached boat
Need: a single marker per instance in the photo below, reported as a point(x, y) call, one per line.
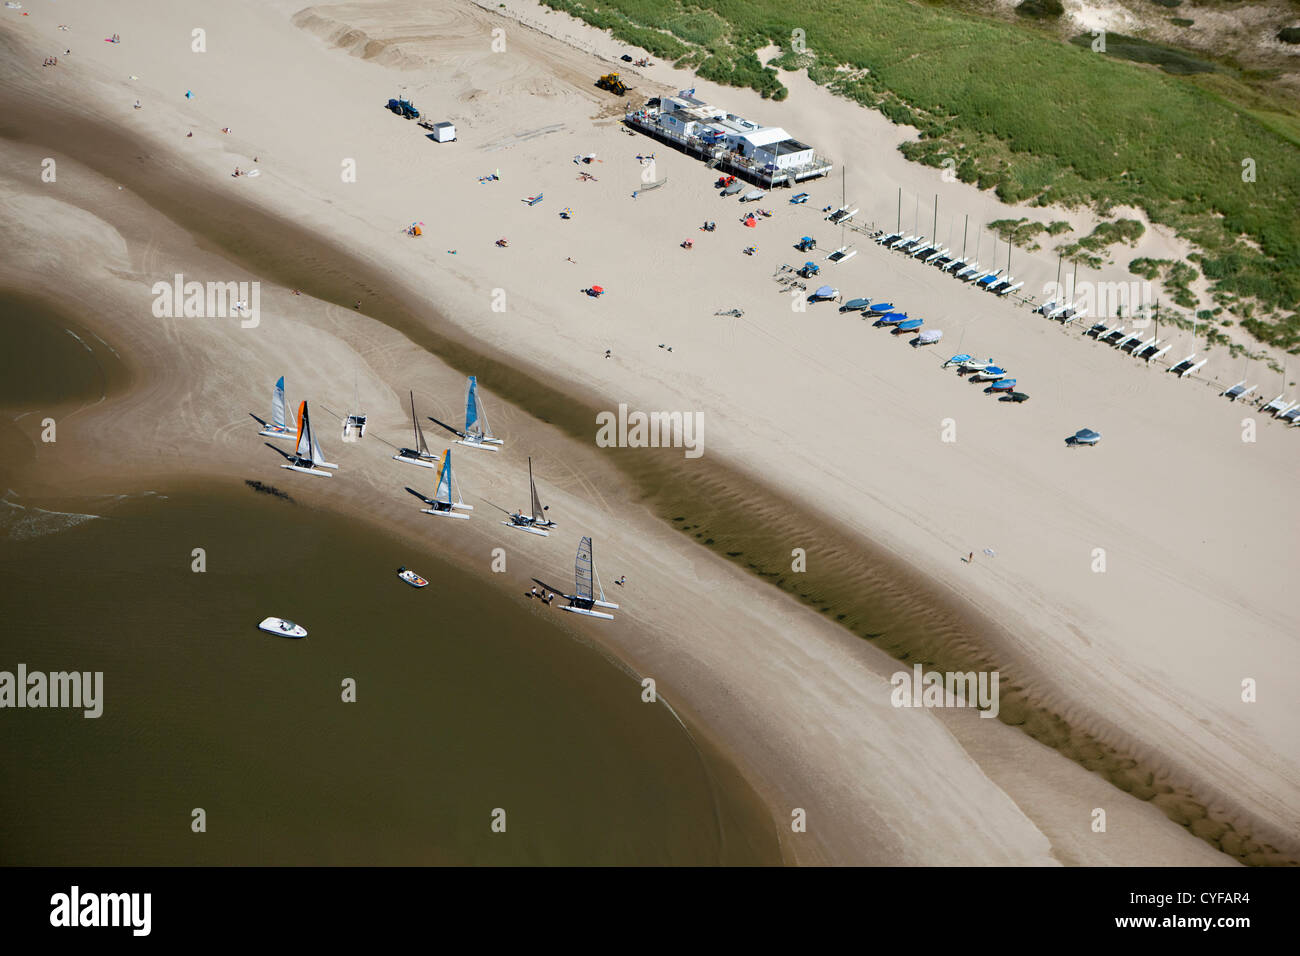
point(1137, 343)
point(446, 501)
point(939, 256)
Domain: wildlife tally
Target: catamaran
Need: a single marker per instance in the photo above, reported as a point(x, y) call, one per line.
point(420, 454)
point(307, 457)
point(354, 425)
point(280, 425)
point(536, 521)
point(477, 434)
point(441, 504)
point(585, 601)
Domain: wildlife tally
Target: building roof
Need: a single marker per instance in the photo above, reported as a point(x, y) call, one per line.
point(765, 135)
point(786, 146)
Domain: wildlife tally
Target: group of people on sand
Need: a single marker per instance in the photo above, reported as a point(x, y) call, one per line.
point(51, 61)
point(547, 598)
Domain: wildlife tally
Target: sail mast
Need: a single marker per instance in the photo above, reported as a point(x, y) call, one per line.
point(532, 490)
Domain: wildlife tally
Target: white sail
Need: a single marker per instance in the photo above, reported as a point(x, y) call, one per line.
point(420, 444)
point(539, 513)
point(583, 570)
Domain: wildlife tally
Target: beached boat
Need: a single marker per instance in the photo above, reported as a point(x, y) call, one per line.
point(753, 195)
point(420, 454)
point(282, 628)
point(441, 504)
point(825, 293)
point(977, 365)
point(354, 423)
point(855, 305)
point(908, 325)
point(956, 360)
point(535, 522)
point(584, 601)
point(843, 215)
point(411, 578)
point(476, 434)
point(733, 189)
point(881, 308)
point(928, 337)
point(1002, 385)
point(307, 456)
point(280, 425)
point(1084, 436)
point(798, 199)
point(891, 318)
point(888, 238)
point(842, 254)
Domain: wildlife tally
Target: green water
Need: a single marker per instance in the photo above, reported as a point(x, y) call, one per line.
point(465, 703)
point(42, 363)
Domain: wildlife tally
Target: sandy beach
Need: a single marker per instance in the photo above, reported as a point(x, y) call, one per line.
point(828, 433)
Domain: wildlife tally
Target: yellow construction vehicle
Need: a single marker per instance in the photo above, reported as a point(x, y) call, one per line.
point(611, 82)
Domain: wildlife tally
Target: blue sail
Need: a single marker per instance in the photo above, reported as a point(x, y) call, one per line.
point(471, 406)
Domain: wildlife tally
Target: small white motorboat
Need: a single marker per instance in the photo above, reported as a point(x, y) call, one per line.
point(282, 628)
point(411, 578)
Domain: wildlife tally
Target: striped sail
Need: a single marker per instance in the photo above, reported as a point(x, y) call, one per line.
point(304, 447)
point(278, 419)
point(582, 569)
point(443, 494)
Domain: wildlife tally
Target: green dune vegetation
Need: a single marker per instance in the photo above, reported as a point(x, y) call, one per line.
point(1199, 146)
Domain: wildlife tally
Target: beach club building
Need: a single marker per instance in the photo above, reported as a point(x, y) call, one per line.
point(765, 155)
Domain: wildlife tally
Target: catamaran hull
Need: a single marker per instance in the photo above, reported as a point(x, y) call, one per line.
point(524, 527)
point(309, 471)
point(485, 445)
point(588, 613)
point(273, 433)
point(444, 514)
point(417, 461)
